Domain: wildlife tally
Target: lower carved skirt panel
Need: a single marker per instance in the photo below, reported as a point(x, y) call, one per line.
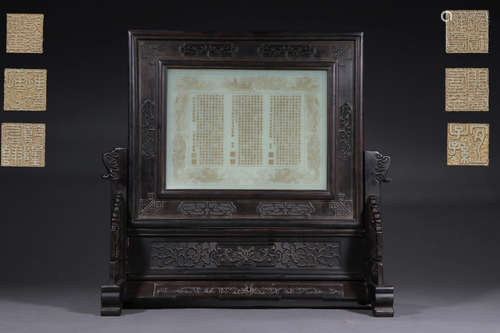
point(250, 258)
point(245, 294)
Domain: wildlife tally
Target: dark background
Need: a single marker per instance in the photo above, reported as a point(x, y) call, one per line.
point(441, 223)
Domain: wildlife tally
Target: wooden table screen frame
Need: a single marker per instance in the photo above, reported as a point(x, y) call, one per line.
point(235, 248)
point(152, 53)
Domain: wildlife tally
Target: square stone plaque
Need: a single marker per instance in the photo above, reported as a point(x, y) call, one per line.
point(23, 145)
point(24, 33)
point(467, 31)
point(468, 144)
point(25, 89)
point(467, 89)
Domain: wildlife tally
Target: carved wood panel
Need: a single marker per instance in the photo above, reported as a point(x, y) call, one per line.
point(279, 255)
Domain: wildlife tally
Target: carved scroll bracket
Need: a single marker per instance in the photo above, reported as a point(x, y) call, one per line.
point(115, 162)
point(382, 295)
point(376, 169)
point(382, 167)
point(250, 290)
point(111, 161)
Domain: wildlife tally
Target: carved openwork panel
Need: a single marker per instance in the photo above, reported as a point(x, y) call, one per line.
point(279, 255)
point(265, 128)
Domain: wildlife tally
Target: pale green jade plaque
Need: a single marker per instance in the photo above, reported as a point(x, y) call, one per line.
point(246, 129)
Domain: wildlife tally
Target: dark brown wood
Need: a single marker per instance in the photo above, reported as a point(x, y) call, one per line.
point(381, 294)
point(245, 248)
point(115, 162)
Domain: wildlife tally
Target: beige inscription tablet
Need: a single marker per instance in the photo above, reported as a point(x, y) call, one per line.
point(467, 31)
point(25, 89)
point(468, 144)
point(24, 33)
point(246, 129)
point(467, 89)
point(23, 145)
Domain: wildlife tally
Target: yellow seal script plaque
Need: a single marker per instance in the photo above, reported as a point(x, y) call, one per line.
point(467, 31)
point(25, 89)
point(24, 33)
point(23, 145)
point(468, 144)
point(467, 89)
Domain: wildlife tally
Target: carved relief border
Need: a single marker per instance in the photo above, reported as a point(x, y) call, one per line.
point(208, 50)
point(285, 208)
point(250, 290)
point(207, 208)
point(287, 50)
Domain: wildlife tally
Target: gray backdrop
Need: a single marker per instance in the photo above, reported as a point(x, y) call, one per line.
point(441, 223)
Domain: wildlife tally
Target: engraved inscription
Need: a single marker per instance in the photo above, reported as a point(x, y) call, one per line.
point(208, 136)
point(285, 208)
point(247, 130)
point(285, 129)
point(250, 290)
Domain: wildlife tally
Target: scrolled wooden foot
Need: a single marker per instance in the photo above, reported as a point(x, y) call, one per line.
point(111, 303)
point(383, 301)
